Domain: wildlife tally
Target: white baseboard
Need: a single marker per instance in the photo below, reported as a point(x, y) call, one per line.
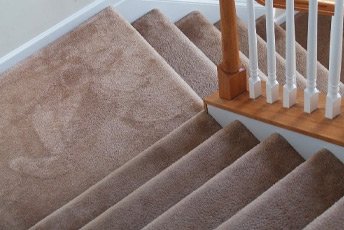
point(282, 17)
point(50, 35)
point(129, 9)
point(241, 9)
point(173, 9)
point(176, 9)
point(305, 145)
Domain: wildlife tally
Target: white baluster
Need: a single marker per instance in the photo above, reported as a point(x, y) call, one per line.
point(333, 98)
point(311, 94)
point(255, 88)
point(289, 89)
point(272, 86)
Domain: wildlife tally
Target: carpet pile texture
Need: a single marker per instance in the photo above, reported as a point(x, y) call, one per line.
point(132, 175)
point(105, 128)
point(79, 109)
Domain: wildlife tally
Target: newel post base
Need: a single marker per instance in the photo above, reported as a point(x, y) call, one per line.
point(231, 85)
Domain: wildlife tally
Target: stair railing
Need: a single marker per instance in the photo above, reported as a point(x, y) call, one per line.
point(289, 89)
point(333, 98)
point(231, 73)
point(272, 85)
point(254, 82)
point(311, 93)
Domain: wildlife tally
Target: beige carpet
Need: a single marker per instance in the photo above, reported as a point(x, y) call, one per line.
point(207, 38)
point(297, 199)
point(187, 60)
point(103, 129)
point(131, 175)
point(177, 181)
point(233, 188)
point(79, 109)
point(332, 219)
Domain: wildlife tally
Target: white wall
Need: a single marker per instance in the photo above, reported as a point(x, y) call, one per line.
point(28, 25)
point(22, 20)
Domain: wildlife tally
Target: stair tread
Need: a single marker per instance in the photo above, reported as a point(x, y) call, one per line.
point(106, 99)
point(202, 33)
point(262, 55)
point(297, 199)
point(131, 175)
point(77, 110)
point(233, 188)
point(207, 38)
point(181, 178)
point(332, 218)
point(186, 59)
point(301, 55)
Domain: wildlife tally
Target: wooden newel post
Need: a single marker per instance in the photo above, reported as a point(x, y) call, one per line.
point(232, 76)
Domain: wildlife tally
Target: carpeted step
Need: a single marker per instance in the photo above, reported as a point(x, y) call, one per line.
point(332, 219)
point(301, 55)
point(177, 181)
point(207, 38)
point(186, 59)
point(297, 199)
point(131, 175)
point(233, 188)
point(79, 109)
point(324, 31)
point(195, 22)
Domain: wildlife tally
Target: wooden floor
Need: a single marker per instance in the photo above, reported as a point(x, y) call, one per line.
point(294, 119)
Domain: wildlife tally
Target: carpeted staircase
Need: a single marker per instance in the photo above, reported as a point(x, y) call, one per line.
point(105, 129)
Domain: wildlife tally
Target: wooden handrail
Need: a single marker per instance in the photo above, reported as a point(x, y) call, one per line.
point(232, 76)
point(325, 7)
point(230, 45)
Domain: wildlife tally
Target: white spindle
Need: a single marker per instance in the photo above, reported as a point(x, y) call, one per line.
point(311, 94)
point(254, 80)
point(333, 98)
point(272, 85)
point(289, 89)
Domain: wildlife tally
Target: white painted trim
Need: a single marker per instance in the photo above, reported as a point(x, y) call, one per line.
point(176, 9)
point(241, 8)
point(131, 10)
point(50, 35)
point(201, 2)
point(280, 19)
point(305, 145)
point(173, 9)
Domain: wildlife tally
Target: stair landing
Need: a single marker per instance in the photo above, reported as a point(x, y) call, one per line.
point(294, 118)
